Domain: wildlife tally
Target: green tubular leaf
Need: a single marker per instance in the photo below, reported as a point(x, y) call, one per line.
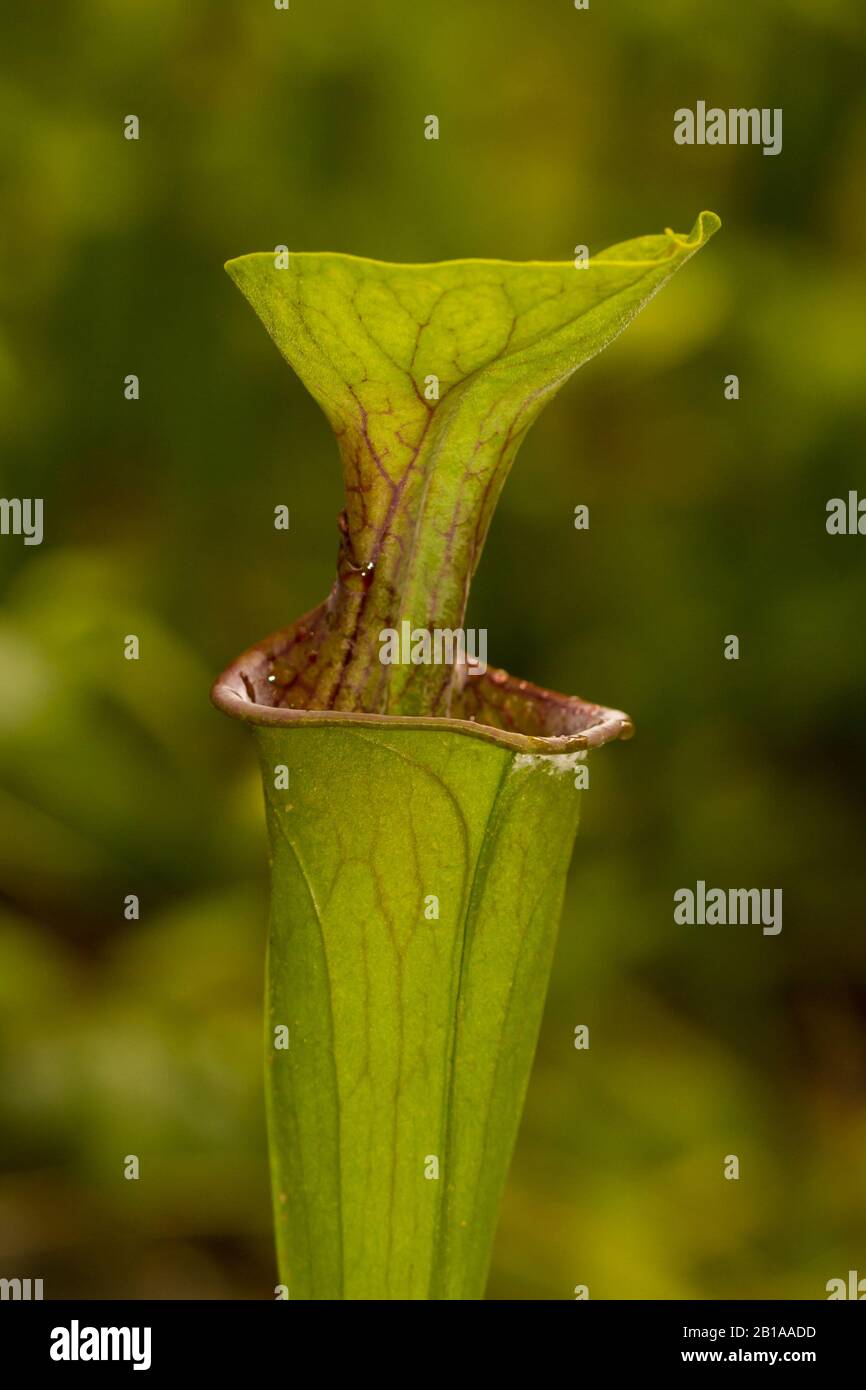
point(412, 1036)
point(410, 1039)
point(422, 476)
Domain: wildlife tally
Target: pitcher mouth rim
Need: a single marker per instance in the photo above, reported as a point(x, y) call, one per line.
point(234, 693)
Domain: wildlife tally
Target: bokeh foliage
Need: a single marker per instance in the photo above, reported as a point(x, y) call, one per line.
point(707, 517)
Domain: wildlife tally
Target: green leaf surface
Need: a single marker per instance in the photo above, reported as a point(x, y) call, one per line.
point(411, 1037)
point(372, 341)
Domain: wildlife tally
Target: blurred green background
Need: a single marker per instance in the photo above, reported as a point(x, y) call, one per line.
point(305, 127)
